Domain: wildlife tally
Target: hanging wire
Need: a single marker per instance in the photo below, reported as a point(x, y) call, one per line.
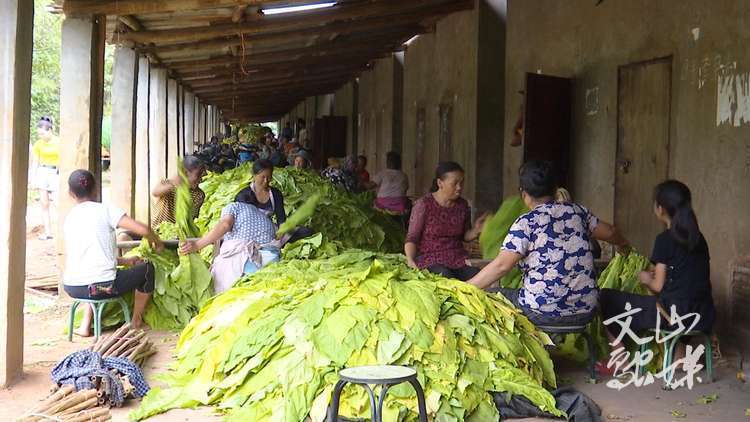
point(242, 59)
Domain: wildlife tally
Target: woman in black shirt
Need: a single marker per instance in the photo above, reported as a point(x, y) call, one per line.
point(261, 194)
point(680, 276)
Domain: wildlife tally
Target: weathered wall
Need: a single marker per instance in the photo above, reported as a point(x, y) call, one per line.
point(441, 68)
point(324, 105)
point(708, 149)
point(344, 105)
point(490, 99)
point(379, 119)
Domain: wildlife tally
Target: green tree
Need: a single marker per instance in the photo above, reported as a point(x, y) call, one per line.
point(45, 74)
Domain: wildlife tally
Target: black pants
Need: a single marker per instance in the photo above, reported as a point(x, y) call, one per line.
point(138, 277)
point(300, 233)
point(464, 273)
point(537, 318)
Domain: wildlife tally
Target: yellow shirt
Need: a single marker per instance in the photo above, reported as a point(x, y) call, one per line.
point(47, 152)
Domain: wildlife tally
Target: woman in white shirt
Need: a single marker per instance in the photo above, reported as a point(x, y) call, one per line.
point(91, 252)
point(392, 184)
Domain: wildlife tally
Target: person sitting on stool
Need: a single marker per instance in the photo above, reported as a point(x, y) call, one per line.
point(90, 250)
point(551, 245)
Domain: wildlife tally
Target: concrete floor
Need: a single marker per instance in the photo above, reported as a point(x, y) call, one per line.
point(46, 344)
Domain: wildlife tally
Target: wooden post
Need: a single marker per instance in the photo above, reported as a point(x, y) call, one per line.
point(141, 200)
point(172, 128)
point(181, 120)
point(81, 99)
point(209, 122)
point(189, 122)
point(122, 151)
point(157, 127)
point(198, 126)
point(16, 27)
point(202, 116)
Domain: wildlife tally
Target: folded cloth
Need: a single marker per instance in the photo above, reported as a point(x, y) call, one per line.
point(78, 368)
point(578, 406)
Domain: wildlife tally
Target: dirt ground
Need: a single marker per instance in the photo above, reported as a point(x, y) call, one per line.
point(45, 344)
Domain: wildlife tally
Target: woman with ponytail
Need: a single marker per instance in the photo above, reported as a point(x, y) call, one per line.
point(440, 222)
point(680, 275)
point(91, 252)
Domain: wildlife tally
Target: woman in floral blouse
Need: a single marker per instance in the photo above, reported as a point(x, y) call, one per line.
point(551, 245)
point(440, 223)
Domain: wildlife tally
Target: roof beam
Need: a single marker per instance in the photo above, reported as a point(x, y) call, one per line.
point(138, 7)
point(323, 47)
point(286, 23)
point(304, 90)
point(332, 60)
point(315, 63)
point(245, 87)
point(336, 28)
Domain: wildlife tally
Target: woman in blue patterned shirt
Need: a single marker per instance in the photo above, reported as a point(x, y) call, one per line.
point(551, 244)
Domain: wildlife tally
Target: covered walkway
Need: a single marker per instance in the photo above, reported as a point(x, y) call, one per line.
point(620, 94)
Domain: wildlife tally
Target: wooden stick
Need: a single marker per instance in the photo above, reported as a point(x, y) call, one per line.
point(118, 342)
point(88, 404)
point(72, 400)
point(118, 352)
point(105, 344)
point(88, 415)
point(43, 407)
point(136, 351)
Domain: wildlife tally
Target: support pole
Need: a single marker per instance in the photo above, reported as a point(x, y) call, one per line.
point(189, 122)
point(181, 120)
point(16, 27)
point(172, 128)
point(122, 151)
point(141, 200)
point(198, 125)
point(81, 99)
point(157, 127)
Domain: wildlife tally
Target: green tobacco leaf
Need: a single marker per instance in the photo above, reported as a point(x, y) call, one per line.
point(707, 399)
point(269, 348)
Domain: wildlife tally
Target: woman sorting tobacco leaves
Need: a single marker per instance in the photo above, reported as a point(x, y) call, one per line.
point(680, 276)
point(440, 222)
point(249, 242)
point(551, 244)
point(91, 262)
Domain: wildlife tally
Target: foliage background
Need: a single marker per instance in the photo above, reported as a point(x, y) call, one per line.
point(45, 74)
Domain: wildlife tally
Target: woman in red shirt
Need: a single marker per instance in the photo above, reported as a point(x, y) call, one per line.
point(440, 223)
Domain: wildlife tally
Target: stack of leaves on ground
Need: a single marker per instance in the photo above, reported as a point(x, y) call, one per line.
point(270, 348)
point(621, 274)
point(339, 215)
point(182, 283)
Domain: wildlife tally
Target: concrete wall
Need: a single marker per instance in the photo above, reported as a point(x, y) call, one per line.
point(450, 81)
point(463, 57)
point(344, 105)
point(708, 149)
point(380, 119)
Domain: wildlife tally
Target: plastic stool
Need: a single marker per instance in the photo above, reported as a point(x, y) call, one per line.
point(385, 375)
point(575, 329)
point(669, 352)
point(98, 307)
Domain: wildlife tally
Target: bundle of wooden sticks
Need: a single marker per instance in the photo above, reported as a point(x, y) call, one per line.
point(125, 343)
point(66, 404)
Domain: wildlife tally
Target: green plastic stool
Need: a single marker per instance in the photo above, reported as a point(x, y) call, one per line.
point(98, 306)
point(669, 352)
